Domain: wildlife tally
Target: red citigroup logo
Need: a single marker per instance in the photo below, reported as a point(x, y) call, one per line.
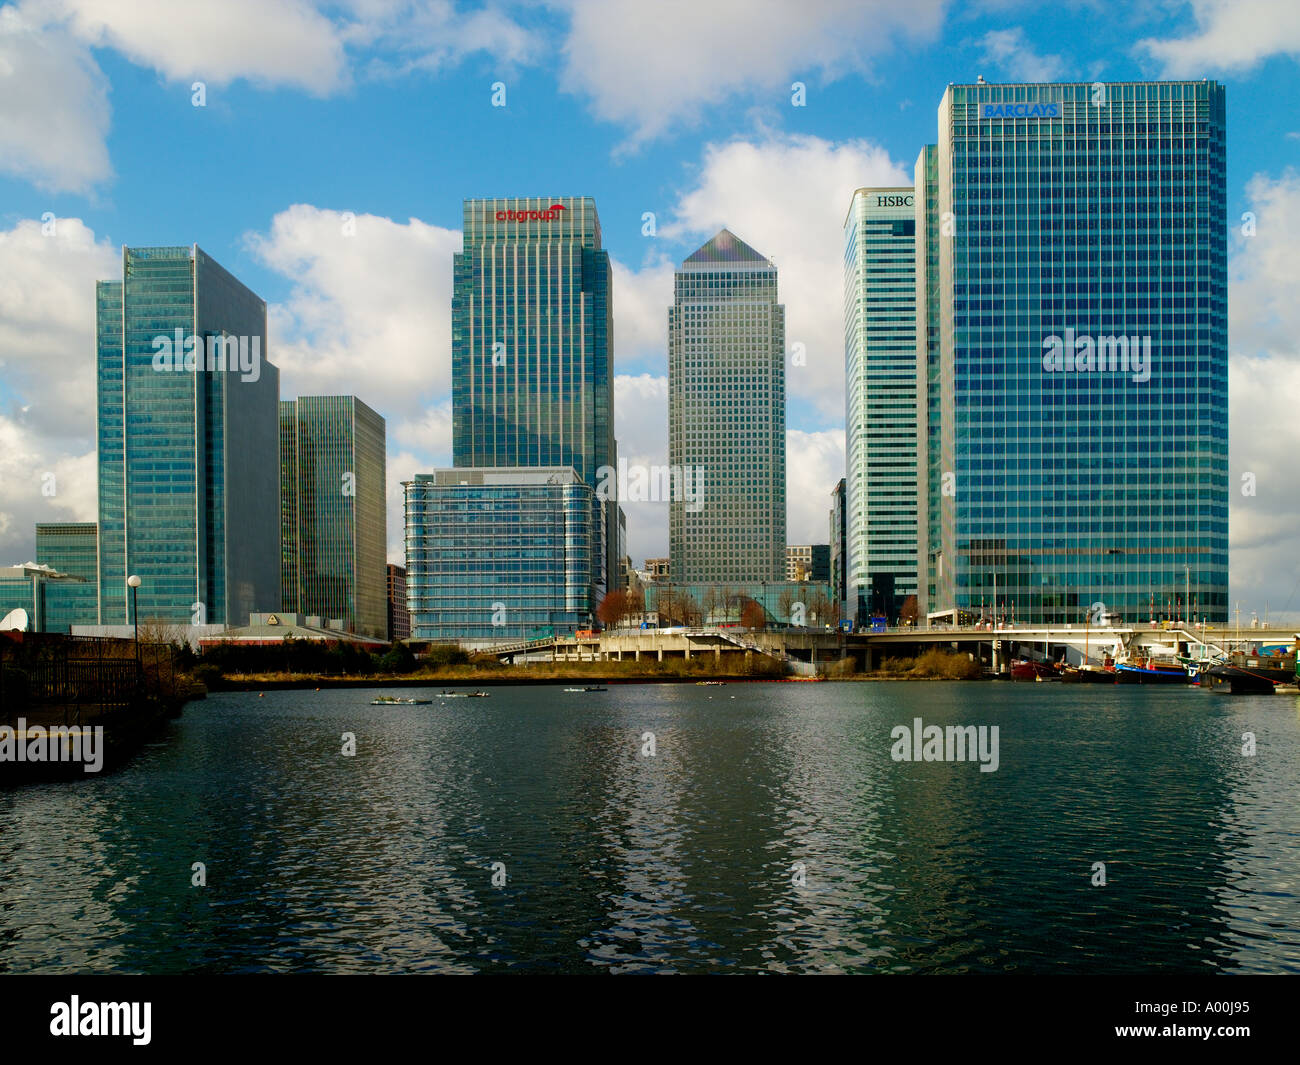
point(550, 214)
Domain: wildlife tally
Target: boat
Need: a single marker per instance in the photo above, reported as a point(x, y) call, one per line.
point(1089, 674)
point(588, 689)
point(393, 700)
point(710, 683)
point(1250, 673)
point(462, 695)
point(1024, 669)
point(1156, 669)
point(1086, 672)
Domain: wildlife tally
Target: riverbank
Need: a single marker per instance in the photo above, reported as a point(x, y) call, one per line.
point(598, 673)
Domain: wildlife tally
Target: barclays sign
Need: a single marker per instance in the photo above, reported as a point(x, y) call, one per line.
point(1020, 110)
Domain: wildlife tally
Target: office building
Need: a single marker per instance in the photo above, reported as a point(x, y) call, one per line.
point(399, 618)
point(726, 416)
point(499, 554)
point(70, 547)
point(532, 350)
point(880, 400)
point(808, 562)
point(839, 550)
point(1081, 303)
point(189, 487)
point(334, 523)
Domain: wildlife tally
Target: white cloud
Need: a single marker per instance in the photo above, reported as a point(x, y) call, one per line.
point(54, 111)
point(1264, 395)
point(42, 478)
point(369, 314)
point(47, 321)
point(641, 421)
point(1231, 35)
point(415, 445)
point(1013, 55)
point(1264, 314)
point(268, 42)
point(655, 65)
point(47, 377)
point(814, 463)
point(641, 301)
point(787, 197)
point(412, 36)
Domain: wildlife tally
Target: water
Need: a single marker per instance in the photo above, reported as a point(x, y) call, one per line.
point(683, 861)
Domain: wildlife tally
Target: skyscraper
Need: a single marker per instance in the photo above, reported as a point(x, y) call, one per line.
point(928, 444)
point(880, 400)
point(70, 547)
point(532, 348)
point(399, 618)
point(839, 544)
point(1082, 349)
point(726, 415)
point(188, 483)
point(334, 520)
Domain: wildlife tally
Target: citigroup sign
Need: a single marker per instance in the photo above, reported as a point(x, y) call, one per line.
point(1020, 110)
point(546, 214)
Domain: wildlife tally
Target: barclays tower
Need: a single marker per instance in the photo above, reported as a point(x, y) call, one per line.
point(1072, 247)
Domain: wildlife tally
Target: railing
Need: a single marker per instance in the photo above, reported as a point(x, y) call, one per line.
point(44, 672)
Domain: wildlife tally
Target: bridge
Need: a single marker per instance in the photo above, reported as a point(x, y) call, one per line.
point(805, 650)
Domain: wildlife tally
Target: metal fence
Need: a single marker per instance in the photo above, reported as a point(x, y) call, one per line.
point(49, 673)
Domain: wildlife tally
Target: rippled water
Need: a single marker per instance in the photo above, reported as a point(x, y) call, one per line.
point(681, 861)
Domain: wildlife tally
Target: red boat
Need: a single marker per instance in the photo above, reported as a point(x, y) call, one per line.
point(1023, 669)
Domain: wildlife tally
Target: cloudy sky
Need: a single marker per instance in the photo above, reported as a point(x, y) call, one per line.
point(379, 113)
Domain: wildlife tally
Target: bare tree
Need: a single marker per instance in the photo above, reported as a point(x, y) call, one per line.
point(752, 615)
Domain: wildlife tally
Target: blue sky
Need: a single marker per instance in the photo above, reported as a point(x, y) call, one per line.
point(383, 109)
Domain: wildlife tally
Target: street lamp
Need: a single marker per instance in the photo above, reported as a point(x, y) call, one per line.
point(133, 582)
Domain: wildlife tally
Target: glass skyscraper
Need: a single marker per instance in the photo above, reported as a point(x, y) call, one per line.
point(880, 401)
point(928, 443)
point(726, 415)
point(334, 522)
point(532, 348)
point(70, 547)
point(188, 486)
point(498, 554)
point(1082, 318)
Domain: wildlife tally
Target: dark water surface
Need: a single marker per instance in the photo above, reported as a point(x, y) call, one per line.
point(684, 861)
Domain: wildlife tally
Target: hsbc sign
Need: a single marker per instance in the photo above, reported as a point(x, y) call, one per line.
point(546, 214)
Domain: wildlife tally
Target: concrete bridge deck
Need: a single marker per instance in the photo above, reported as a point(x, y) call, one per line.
point(804, 650)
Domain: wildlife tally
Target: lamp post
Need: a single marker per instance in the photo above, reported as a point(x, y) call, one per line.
point(133, 582)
